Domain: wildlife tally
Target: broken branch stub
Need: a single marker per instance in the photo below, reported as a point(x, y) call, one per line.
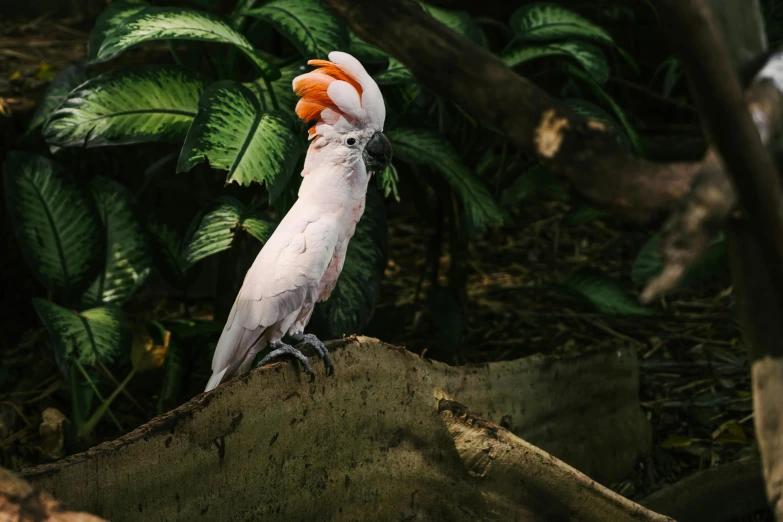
point(369, 443)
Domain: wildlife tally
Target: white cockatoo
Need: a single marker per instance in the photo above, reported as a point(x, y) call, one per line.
point(299, 265)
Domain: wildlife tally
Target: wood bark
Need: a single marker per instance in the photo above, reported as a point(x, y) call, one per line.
point(381, 440)
point(721, 43)
point(20, 502)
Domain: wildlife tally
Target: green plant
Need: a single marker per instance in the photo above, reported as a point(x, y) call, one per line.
point(224, 114)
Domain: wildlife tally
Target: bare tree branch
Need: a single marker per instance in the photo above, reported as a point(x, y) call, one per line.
point(563, 141)
point(376, 442)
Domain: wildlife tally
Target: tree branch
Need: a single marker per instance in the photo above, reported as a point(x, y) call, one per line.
point(700, 193)
point(563, 141)
point(375, 442)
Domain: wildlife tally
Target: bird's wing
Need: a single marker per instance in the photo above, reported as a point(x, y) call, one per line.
point(290, 266)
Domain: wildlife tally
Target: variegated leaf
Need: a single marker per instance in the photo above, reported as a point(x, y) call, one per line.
point(55, 222)
point(95, 335)
point(128, 258)
point(588, 56)
point(134, 105)
point(422, 146)
point(233, 133)
point(310, 26)
point(172, 23)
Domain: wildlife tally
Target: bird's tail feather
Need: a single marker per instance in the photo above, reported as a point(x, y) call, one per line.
point(215, 380)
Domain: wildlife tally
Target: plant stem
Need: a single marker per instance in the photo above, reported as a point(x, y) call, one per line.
point(97, 394)
point(271, 94)
point(104, 407)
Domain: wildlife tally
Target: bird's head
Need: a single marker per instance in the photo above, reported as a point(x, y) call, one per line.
point(348, 109)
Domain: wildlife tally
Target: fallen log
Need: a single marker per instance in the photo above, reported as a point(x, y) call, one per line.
point(378, 441)
point(20, 502)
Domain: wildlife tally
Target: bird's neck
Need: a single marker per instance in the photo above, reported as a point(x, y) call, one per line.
point(335, 184)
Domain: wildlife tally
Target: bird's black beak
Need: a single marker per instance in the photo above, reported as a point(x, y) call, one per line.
point(377, 153)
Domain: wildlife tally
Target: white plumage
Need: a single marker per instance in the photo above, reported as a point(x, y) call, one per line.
point(299, 265)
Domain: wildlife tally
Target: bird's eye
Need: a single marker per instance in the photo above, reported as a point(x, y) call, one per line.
point(350, 141)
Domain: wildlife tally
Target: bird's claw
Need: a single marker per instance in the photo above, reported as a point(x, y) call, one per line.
point(280, 349)
point(318, 346)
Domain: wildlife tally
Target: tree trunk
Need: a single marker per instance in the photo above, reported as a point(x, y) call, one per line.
point(381, 440)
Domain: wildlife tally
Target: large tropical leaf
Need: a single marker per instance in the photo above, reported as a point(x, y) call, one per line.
point(134, 105)
point(458, 21)
point(282, 94)
point(56, 224)
point(352, 302)
point(310, 26)
point(595, 113)
point(588, 56)
point(536, 181)
point(422, 146)
point(67, 80)
point(711, 263)
point(109, 20)
point(606, 295)
point(233, 133)
point(545, 22)
point(363, 51)
point(128, 258)
point(172, 23)
point(95, 335)
point(214, 228)
point(167, 253)
point(395, 73)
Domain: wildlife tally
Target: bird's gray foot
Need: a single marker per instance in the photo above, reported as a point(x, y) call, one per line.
point(280, 349)
point(303, 338)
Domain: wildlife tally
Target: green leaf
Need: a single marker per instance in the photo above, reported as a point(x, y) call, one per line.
point(172, 23)
point(396, 73)
point(255, 224)
point(128, 258)
point(67, 80)
point(234, 134)
point(387, 182)
point(593, 112)
point(606, 295)
point(95, 335)
point(352, 302)
point(214, 228)
point(534, 182)
point(588, 56)
point(134, 105)
point(712, 263)
point(424, 147)
point(167, 253)
point(310, 26)
point(544, 22)
point(601, 94)
point(283, 94)
point(363, 51)
point(109, 20)
point(55, 222)
point(584, 213)
point(458, 21)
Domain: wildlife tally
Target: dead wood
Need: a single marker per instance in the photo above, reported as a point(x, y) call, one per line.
point(755, 240)
point(718, 494)
point(370, 443)
point(20, 502)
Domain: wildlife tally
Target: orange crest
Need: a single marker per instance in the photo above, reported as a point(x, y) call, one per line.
point(312, 89)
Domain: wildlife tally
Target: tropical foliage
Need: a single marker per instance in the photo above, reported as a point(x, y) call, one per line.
point(222, 117)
